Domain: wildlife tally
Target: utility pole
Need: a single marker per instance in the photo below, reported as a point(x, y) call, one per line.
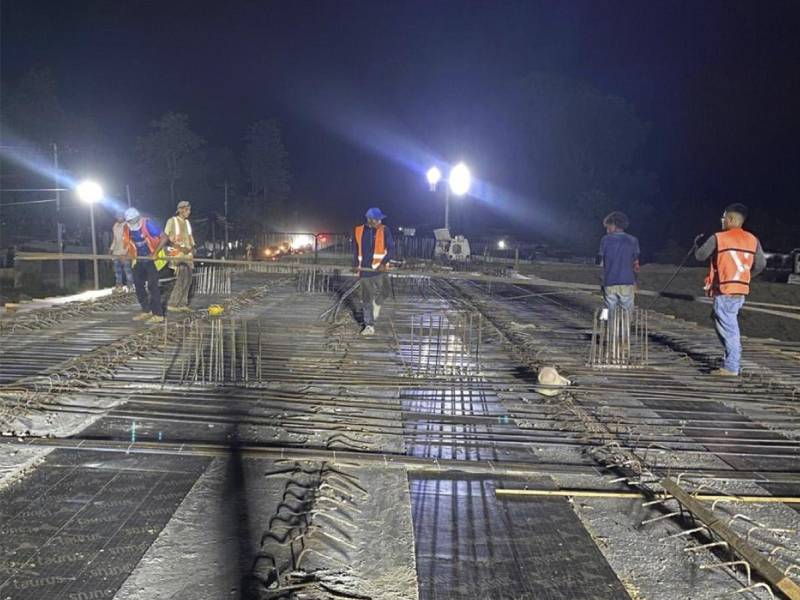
point(214, 235)
point(59, 226)
point(226, 220)
point(447, 207)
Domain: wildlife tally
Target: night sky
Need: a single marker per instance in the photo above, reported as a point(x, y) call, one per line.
point(368, 92)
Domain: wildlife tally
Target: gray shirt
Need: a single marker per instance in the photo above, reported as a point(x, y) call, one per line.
point(705, 251)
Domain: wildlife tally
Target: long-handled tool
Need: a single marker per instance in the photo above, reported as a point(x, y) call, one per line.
point(678, 270)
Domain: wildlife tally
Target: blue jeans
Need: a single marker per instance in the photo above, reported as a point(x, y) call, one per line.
point(726, 322)
point(123, 274)
point(618, 295)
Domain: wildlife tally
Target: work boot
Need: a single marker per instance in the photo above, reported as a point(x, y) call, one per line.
point(376, 310)
point(173, 308)
point(125, 289)
point(368, 330)
point(141, 316)
point(724, 373)
point(155, 319)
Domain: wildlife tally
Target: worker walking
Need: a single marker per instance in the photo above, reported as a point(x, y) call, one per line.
point(123, 273)
point(373, 248)
point(180, 245)
point(619, 256)
point(144, 238)
point(735, 255)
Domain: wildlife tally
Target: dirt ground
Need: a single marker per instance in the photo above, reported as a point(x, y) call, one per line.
point(689, 284)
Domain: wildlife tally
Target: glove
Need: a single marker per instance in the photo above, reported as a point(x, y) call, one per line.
point(698, 239)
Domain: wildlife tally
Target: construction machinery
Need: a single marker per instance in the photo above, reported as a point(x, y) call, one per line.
point(450, 249)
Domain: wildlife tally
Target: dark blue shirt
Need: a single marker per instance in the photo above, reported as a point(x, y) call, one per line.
point(368, 244)
point(137, 237)
point(618, 252)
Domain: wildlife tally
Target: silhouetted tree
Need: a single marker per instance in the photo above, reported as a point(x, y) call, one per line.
point(579, 149)
point(170, 151)
point(267, 167)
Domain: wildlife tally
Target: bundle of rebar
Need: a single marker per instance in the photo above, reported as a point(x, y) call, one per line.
point(620, 338)
point(213, 280)
point(217, 351)
point(445, 344)
point(314, 281)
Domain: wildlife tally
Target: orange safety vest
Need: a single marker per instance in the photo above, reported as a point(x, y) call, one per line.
point(729, 271)
point(380, 246)
point(152, 243)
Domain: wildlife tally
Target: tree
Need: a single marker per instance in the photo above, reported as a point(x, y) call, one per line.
point(267, 168)
point(170, 151)
point(578, 150)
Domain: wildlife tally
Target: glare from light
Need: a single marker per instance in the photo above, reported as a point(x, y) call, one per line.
point(501, 244)
point(302, 241)
point(460, 179)
point(89, 191)
point(434, 175)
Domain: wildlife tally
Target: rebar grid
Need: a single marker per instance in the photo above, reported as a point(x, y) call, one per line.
point(51, 317)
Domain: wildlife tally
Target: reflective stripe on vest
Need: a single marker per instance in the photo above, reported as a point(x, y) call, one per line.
point(729, 272)
point(379, 250)
point(181, 238)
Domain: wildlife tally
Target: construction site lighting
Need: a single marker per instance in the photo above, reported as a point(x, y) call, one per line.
point(501, 244)
point(460, 179)
point(434, 176)
point(89, 191)
point(302, 241)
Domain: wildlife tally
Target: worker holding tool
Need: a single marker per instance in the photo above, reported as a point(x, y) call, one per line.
point(619, 256)
point(123, 274)
point(144, 238)
point(180, 244)
point(735, 255)
point(373, 248)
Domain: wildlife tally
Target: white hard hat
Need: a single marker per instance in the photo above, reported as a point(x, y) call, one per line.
point(132, 214)
point(551, 381)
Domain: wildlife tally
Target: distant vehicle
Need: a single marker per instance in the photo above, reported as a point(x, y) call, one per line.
point(273, 251)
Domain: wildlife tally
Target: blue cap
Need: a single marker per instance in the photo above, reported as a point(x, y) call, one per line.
point(375, 213)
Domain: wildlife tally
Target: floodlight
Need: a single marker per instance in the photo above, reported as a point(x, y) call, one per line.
point(460, 179)
point(434, 176)
point(89, 191)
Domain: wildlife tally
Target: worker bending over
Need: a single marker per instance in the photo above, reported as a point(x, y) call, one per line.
point(180, 245)
point(735, 256)
point(619, 255)
point(373, 248)
point(143, 238)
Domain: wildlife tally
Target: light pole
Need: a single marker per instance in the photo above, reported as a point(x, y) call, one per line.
point(459, 182)
point(91, 192)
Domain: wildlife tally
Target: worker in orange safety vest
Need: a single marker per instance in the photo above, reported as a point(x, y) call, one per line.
point(143, 238)
point(373, 248)
point(736, 256)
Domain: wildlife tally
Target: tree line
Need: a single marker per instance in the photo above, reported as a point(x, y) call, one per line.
point(168, 162)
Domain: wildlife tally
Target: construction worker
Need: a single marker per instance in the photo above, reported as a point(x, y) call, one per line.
point(123, 273)
point(735, 256)
point(143, 238)
point(373, 248)
point(619, 256)
point(180, 244)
